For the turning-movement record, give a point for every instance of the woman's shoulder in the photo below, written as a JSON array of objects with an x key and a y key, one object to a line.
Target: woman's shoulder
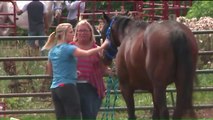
[{"x": 67, "y": 46}]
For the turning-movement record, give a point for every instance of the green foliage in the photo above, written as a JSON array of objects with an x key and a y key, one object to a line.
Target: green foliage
[
  {"x": 201, "y": 9},
  {"x": 21, "y": 32},
  {"x": 204, "y": 80}
]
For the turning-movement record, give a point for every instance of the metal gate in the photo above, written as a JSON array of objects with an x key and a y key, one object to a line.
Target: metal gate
[
  {"x": 5, "y": 14},
  {"x": 42, "y": 94}
]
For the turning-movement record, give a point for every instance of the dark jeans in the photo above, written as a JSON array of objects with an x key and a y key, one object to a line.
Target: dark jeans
[
  {"x": 67, "y": 103},
  {"x": 90, "y": 101},
  {"x": 36, "y": 33},
  {"x": 41, "y": 42}
]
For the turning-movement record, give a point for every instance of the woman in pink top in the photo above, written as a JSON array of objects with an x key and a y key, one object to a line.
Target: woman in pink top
[{"x": 91, "y": 70}]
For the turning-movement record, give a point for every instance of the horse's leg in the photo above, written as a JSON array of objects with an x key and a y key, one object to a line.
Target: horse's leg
[
  {"x": 129, "y": 99},
  {"x": 160, "y": 107},
  {"x": 155, "y": 110},
  {"x": 158, "y": 69}
]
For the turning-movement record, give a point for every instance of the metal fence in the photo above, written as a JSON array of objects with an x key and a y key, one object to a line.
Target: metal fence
[{"x": 171, "y": 91}]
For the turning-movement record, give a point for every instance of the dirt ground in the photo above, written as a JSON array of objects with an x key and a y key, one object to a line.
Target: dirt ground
[{"x": 205, "y": 113}]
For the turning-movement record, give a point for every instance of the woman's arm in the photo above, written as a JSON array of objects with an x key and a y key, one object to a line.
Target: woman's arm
[
  {"x": 49, "y": 70},
  {"x": 18, "y": 11},
  {"x": 81, "y": 53}
]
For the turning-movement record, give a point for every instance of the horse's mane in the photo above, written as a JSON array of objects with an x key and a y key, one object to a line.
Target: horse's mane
[
  {"x": 127, "y": 25},
  {"x": 141, "y": 24},
  {"x": 124, "y": 20}
]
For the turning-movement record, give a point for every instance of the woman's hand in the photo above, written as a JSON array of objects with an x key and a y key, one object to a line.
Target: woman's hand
[{"x": 105, "y": 44}]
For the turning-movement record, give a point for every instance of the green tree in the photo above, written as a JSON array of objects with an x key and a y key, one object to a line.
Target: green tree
[{"x": 201, "y": 9}]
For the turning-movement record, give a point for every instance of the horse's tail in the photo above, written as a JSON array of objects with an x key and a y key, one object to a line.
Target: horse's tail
[{"x": 185, "y": 70}]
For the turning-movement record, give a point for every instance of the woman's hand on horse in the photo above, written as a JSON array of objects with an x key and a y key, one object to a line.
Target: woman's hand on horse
[{"x": 105, "y": 44}]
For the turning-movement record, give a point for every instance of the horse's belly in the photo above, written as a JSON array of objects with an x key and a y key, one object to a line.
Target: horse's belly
[
  {"x": 137, "y": 73},
  {"x": 133, "y": 72},
  {"x": 139, "y": 80},
  {"x": 130, "y": 63}
]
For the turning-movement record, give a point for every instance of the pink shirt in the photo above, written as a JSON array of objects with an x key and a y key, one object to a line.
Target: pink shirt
[{"x": 91, "y": 69}]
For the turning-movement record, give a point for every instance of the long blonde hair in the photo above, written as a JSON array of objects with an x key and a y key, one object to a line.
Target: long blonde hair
[
  {"x": 59, "y": 34},
  {"x": 84, "y": 21}
]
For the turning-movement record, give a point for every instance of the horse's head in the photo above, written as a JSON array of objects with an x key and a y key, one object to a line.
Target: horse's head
[{"x": 113, "y": 30}]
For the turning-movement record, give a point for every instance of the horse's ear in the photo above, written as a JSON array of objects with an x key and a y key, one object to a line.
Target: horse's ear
[{"x": 106, "y": 17}]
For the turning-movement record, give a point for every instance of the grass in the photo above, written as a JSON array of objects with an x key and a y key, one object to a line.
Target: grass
[
  {"x": 30, "y": 117},
  {"x": 19, "y": 48}
]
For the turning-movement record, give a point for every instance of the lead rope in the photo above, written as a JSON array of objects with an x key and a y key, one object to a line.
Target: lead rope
[
  {"x": 112, "y": 82},
  {"x": 112, "y": 86},
  {"x": 115, "y": 89}
]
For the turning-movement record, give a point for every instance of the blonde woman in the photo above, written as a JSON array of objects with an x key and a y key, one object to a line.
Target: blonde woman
[
  {"x": 91, "y": 70},
  {"x": 62, "y": 67}
]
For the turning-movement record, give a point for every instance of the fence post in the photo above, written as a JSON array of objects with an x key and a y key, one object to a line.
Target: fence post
[{"x": 165, "y": 10}]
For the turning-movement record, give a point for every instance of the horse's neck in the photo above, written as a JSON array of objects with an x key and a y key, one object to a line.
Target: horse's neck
[
  {"x": 131, "y": 28},
  {"x": 135, "y": 26},
  {"x": 127, "y": 30}
]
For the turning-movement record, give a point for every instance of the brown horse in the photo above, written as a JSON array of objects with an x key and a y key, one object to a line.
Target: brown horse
[{"x": 150, "y": 57}]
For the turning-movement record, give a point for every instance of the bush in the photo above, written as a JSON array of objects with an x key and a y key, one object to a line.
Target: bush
[{"x": 201, "y": 9}]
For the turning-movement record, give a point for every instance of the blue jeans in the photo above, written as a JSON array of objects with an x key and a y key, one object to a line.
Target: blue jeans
[{"x": 90, "y": 101}]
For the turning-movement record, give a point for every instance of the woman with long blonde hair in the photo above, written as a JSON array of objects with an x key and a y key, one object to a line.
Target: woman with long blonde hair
[{"x": 62, "y": 67}]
